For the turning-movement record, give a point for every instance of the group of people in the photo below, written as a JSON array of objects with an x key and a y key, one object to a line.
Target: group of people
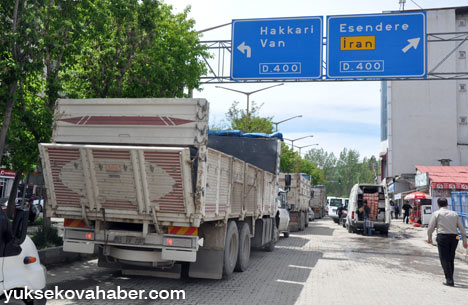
[{"x": 395, "y": 211}]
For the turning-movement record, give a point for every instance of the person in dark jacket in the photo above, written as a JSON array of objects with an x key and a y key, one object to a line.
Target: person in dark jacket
[
  {"x": 366, "y": 216},
  {"x": 339, "y": 212},
  {"x": 406, "y": 207}
]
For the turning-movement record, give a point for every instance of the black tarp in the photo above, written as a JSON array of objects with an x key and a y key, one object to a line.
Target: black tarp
[{"x": 260, "y": 152}]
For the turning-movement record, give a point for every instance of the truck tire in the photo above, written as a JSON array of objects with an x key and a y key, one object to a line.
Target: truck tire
[
  {"x": 243, "y": 257},
  {"x": 270, "y": 247},
  {"x": 231, "y": 248},
  {"x": 350, "y": 228},
  {"x": 303, "y": 221},
  {"x": 286, "y": 234}
]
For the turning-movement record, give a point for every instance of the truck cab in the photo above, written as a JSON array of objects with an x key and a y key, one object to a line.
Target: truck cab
[
  {"x": 19, "y": 260},
  {"x": 282, "y": 221}
]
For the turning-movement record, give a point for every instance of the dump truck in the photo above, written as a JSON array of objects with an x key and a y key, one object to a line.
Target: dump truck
[
  {"x": 298, "y": 199},
  {"x": 141, "y": 184},
  {"x": 318, "y": 200}
]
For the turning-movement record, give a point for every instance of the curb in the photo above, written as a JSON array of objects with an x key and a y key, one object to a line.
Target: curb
[{"x": 56, "y": 255}]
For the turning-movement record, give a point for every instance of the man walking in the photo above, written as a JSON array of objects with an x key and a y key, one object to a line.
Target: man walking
[
  {"x": 447, "y": 223},
  {"x": 366, "y": 216},
  {"x": 406, "y": 208}
]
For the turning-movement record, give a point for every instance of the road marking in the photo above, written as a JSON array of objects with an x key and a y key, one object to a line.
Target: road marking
[{"x": 290, "y": 282}]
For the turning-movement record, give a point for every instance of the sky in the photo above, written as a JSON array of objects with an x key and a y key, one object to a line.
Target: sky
[{"x": 338, "y": 114}]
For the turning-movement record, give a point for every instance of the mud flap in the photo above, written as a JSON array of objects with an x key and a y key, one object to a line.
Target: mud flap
[{"x": 209, "y": 264}]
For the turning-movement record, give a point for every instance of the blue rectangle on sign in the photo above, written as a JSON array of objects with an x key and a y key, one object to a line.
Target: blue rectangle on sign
[
  {"x": 392, "y": 45},
  {"x": 277, "y": 48}
]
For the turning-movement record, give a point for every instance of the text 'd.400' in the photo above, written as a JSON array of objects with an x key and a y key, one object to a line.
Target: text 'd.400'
[{"x": 280, "y": 68}]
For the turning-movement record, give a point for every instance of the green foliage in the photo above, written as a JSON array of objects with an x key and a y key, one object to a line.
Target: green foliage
[
  {"x": 137, "y": 49},
  {"x": 291, "y": 162},
  {"x": 347, "y": 168},
  {"x": 47, "y": 237},
  {"x": 248, "y": 122}
]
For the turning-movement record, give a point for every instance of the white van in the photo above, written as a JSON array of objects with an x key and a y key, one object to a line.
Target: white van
[
  {"x": 377, "y": 199},
  {"x": 19, "y": 260},
  {"x": 333, "y": 204}
]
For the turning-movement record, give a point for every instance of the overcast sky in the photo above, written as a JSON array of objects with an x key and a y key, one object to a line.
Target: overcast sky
[{"x": 338, "y": 114}]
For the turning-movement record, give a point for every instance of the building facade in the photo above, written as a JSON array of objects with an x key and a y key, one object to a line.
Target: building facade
[{"x": 423, "y": 122}]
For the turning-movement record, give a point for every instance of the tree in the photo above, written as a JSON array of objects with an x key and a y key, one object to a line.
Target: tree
[
  {"x": 248, "y": 122},
  {"x": 291, "y": 162},
  {"x": 136, "y": 48}
]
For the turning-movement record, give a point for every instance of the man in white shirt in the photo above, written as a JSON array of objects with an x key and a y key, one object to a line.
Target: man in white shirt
[{"x": 447, "y": 223}]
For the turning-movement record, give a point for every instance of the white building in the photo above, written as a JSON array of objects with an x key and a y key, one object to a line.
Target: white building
[{"x": 425, "y": 121}]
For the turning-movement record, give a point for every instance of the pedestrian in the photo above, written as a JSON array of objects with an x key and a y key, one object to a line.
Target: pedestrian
[
  {"x": 339, "y": 212},
  {"x": 366, "y": 216},
  {"x": 397, "y": 211},
  {"x": 392, "y": 209},
  {"x": 447, "y": 223},
  {"x": 406, "y": 207}
]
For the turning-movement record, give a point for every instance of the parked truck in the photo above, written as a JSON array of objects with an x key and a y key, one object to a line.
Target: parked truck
[
  {"x": 298, "y": 199},
  {"x": 318, "y": 200},
  {"x": 140, "y": 183}
]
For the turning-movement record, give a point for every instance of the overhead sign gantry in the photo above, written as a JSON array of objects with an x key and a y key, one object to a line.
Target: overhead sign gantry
[
  {"x": 277, "y": 48},
  {"x": 389, "y": 45},
  {"x": 377, "y": 46}
]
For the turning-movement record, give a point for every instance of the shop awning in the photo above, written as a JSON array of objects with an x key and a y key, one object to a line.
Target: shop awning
[{"x": 446, "y": 177}]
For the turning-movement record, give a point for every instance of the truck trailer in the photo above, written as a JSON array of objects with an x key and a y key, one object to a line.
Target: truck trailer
[
  {"x": 298, "y": 199},
  {"x": 318, "y": 200},
  {"x": 141, "y": 184}
]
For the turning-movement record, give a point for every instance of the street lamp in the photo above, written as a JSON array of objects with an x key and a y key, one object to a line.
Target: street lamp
[
  {"x": 249, "y": 93},
  {"x": 301, "y": 147},
  {"x": 294, "y": 140},
  {"x": 277, "y": 123}
]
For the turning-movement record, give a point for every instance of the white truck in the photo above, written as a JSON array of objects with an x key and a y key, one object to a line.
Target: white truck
[
  {"x": 318, "y": 200},
  {"x": 139, "y": 182},
  {"x": 298, "y": 199}
]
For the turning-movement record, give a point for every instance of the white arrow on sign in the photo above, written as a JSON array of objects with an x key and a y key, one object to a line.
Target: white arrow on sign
[
  {"x": 412, "y": 43},
  {"x": 243, "y": 47}
]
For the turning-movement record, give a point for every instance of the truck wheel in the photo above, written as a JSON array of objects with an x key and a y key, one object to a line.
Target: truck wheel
[
  {"x": 231, "y": 248},
  {"x": 301, "y": 222},
  {"x": 350, "y": 228},
  {"x": 243, "y": 257},
  {"x": 286, "y": 234},
  {"x": 269, "y": 247}
]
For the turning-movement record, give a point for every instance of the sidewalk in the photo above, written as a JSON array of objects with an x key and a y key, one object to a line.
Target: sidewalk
[{"x": 421, "y": 232}]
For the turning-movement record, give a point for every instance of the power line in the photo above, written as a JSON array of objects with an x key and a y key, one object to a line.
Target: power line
[{"x": 416, "y": 4}]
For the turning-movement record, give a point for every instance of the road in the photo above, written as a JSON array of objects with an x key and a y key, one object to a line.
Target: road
[{"x": 323, "y": 265}]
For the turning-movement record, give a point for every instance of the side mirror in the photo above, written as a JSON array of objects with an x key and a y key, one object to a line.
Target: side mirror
[
  {"x": 16, "y": 234},
  {"x": 287, "y": 181},
  {"x": 20, "y": 226}
]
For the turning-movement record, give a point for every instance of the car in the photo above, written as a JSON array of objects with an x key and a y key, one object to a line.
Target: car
[
  {"x": 34, "y": 209},
  {"x": 334, "y": 203},
  {"x": 19, "y": 257},
  {"x": 311, "y": 214},
  {"x": 39, "y": 204}
]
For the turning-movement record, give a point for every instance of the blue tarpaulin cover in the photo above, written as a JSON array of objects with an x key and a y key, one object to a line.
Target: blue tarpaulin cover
[{"x": 238, "y": 133}]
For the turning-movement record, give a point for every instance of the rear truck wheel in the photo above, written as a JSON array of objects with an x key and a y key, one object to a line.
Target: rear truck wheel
[
  {"x": 350, "y": 228},
  {"x": 243, "y": 257},
  {"x": 301, "y": 221},
  {"x": 270, "y": 247},
  {"x": 286, "y": 234},
  {"x": 231, "y": 248}
]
